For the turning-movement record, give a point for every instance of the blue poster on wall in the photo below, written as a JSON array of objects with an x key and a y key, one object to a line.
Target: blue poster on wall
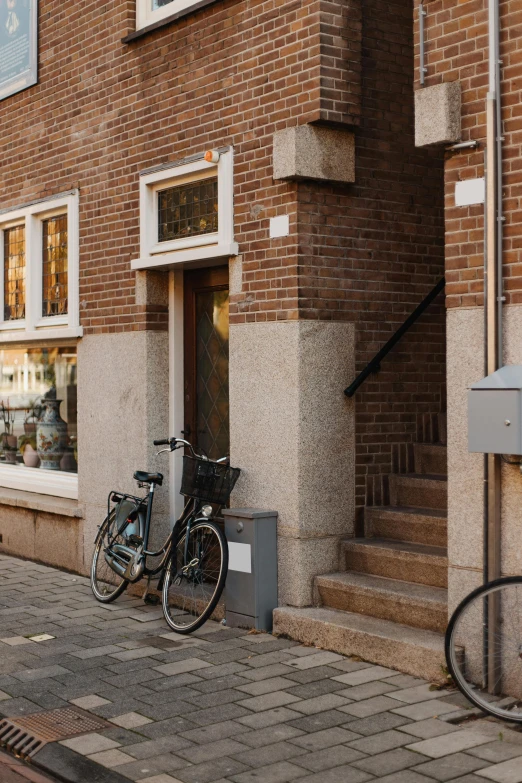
[{"x": 18, "y": 45}]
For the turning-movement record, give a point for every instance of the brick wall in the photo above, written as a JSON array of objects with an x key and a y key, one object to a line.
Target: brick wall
[
  {"x": 234, "y": 73},
  {"x": 372, "y": 251},
  {"x": 457, "y": 49}
]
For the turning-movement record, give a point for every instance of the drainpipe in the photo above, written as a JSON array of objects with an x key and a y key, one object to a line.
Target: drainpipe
[{"x": 493, "y": 327}]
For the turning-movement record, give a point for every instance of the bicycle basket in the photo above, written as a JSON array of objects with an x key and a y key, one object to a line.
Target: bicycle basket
[{"x": 207, "y": 480}]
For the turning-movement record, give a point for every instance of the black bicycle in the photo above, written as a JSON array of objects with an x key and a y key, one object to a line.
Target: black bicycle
[{"x": 193, "y": 560}]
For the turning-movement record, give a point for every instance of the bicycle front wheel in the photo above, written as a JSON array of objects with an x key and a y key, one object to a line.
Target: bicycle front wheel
[
  {"x": 195, "y": 577},
  {"x": 484, "y": 656}
]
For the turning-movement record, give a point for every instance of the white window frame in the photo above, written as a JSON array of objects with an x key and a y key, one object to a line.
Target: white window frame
[
  {"x": 203, "y": 247},
  {"x": 34, "y": 326},
  {"x": 147, "y": 15}
]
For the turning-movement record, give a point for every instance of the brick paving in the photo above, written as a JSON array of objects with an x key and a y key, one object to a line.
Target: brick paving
[{"x": 225, "y": 704}]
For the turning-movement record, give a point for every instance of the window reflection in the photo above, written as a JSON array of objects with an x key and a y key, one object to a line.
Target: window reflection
[{"x": 38, "y": 416}]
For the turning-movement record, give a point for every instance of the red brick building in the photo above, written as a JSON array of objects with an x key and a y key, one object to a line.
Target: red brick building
[{"x": 234, "y": 296}]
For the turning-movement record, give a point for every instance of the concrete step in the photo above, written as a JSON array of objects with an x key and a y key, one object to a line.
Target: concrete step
[
  {"x": 418, "y": 563},
  {"x": 410, "y": 650},
  {"x": 431, "y": 458},
  {"x": 411, "y": 489},
  {"x": 418, "y": 525},
  {"x": 407, "y": 603}
]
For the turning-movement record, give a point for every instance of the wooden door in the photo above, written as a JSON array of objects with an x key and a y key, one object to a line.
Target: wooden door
[{"x": 206, "y": 297}]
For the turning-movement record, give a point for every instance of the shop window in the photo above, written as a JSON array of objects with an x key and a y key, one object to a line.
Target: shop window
[{"x": 38, "y": 419}]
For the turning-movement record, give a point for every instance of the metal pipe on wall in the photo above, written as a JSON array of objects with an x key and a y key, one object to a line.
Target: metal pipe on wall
[{"x": 493, "y": 327}]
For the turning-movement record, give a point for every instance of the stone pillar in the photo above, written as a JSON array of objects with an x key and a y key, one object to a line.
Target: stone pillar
[
  {"x": 292, "y": 434},
  {"x": 465, "y": 365},
  {"x": 123, "y": 404}
]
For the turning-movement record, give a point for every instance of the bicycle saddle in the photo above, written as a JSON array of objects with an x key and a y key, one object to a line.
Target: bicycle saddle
[{"x": 149, "y": 478}]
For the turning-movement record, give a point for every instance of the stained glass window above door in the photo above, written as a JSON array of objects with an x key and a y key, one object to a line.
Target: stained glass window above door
[{"x": 188, "y": 210}]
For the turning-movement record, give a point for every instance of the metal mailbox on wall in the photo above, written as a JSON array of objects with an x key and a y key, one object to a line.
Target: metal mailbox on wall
[
  {"x": 495, "y": 412},
  {"x": 251, "y": 587}
]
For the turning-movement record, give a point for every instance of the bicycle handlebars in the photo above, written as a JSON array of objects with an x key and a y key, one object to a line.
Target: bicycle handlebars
[{"x": 176, "y": 443}]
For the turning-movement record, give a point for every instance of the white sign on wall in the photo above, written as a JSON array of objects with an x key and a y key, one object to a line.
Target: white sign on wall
[{"x": 470, "y": 191}]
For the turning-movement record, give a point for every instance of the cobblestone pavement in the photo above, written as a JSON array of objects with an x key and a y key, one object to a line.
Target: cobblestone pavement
[{"x": 224, "y": 704}]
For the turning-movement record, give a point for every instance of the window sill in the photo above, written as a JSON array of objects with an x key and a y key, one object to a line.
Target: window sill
[
  {"x": 50, "y": 333},
  {"x": 65, "y": 507},
  {"x": 45, "y": 482},
  {"x": 168, "y": 20},
  {"x": 186, "y": 258}
]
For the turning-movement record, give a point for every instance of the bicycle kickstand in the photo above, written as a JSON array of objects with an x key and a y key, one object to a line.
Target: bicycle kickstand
[{"x": 147, "y": 597}]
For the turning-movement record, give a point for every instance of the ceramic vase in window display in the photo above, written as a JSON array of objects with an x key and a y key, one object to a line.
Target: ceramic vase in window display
[{"x": 51, "y": 435}]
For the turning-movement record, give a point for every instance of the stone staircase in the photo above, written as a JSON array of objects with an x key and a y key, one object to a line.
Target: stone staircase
[{"x": 389, "y": 603}]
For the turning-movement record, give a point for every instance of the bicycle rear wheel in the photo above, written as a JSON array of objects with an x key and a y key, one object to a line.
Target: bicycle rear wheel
[
  {"x": 486, "y": 662},
  {"x": 193, "y": 583},
  {"x": 105, "y": 583}
]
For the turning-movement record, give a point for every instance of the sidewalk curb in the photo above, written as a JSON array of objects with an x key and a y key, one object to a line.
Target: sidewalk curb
[
  {"x": 70, "y": 767},
  {"x": 66, "y": 765}
]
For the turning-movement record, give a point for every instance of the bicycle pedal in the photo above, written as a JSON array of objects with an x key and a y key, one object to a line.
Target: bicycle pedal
[
  {"x": 152, "y": 600},
  {"x": 135, "y": 540}
]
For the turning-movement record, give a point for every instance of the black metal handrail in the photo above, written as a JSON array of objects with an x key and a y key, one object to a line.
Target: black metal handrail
[{"x": 375, "y": 364}]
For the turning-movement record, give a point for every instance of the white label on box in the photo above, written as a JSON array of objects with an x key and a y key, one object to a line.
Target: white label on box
[
  {"x": 279, "y": 226},
  {"x": 240, "y": 557},
  {"x": 470, "y": 191}
]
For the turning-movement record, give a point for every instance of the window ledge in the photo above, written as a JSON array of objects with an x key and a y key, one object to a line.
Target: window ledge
[
  {"x": 65, "y": 507},
  {"x": 188, "y": 258},
  {"x": 51, "y": 333},
  {"x": 166, "y": 21}
]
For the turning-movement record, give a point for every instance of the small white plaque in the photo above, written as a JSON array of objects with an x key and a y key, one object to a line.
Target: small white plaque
[
  {"x": 470, "y": 191},
  {"x": 240, "y": 557},
  {"x": 279, "y": 226}
]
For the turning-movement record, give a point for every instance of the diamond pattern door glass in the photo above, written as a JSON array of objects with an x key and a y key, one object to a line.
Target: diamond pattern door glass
[
  {"x": 14, "y": 273},
  {"x": 212, "y": 407}
]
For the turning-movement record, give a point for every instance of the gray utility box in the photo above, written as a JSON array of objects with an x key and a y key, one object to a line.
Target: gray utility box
[
  {"x": 495, "y": 413},
  {"x": 251, "y": 587}
]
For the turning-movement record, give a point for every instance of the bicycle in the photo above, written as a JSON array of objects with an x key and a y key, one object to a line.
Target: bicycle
[
  {"x": 194, "y": 558},
  {"x": 483, "y": 647}
]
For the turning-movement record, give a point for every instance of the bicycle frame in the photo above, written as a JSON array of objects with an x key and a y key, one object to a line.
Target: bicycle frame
[{"x": 181, "y": 525}]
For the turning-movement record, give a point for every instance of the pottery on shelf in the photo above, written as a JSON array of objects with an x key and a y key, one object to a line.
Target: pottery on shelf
[
  {"x": 51, "y": 435},
  {"x": 68, "y": 462},
  {"x": 12, "y": 441},
  {"x": 30, "y": 457},
  {"x": 10, "y": 457}
]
